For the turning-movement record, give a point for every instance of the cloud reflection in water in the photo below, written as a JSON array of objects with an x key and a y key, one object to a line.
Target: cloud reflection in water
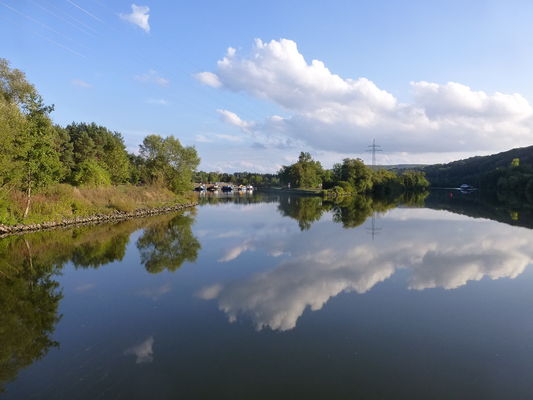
[
  {"x": 143, "y": 351},
  {"x": 438, "y": 252}
]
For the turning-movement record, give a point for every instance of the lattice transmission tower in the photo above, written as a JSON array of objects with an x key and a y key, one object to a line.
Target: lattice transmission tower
[{"x": 373, "y": 150}]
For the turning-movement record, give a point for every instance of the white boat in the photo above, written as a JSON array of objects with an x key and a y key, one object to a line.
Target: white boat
[{"x": 464, "y": 186}]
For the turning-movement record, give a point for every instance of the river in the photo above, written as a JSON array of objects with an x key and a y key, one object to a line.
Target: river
[{"x": 260, "y": 296}]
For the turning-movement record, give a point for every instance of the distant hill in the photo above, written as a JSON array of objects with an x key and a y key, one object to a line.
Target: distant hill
[
  {"x": 472, "y": 170},
  {"x": 401, "y": 166}
]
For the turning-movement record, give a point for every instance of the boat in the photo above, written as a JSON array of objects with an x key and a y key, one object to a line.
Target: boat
[
  {"x": 227, "y": 188},
  {"x": 464, "y": 186},
  {"x": 249, "y": 187}
]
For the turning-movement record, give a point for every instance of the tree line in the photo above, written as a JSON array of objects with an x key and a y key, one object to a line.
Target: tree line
[
  {"x": 239, "y": 178},
  {"x": 35, "y": 153},
  {"x": 350, "y": 176},
  {"x": 507, "y": 175}
]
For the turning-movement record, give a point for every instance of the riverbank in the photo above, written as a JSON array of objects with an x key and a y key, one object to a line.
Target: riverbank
[
  {"x": 6, "y": 230},
  {"x": 63, "y": 204}
]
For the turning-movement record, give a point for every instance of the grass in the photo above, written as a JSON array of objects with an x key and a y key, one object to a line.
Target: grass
[{"x": 62, "y": 201}]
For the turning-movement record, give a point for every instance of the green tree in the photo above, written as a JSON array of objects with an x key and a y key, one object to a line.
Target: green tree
[
  {"x": 96, "y": 143},
  {"x": 357, "y": 174},
  {"x": 305, "y": 173},
  {"x": 13, "y": 124},
  {"x": 213, "y": 177},
  {"x": 168, "y": 163},
  {"x": 14, "y": 87},
  {"x": 39, "y": 159},
  {"x": 34, "y": 160}
]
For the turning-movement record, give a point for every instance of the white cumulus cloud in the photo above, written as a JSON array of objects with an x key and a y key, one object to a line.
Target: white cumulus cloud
[
  {"x": 233, "y": 119},
  {"x": 344, "y": 115},
  {"x": 138, "y": 17},
  {"x": 208, "y": 78}
]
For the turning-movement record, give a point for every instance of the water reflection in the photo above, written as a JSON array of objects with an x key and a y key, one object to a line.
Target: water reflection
[
  {"x": 30, "y": 264},
  {"x": 143, "y": 351},
  {"x": 305, "y": 210},
  {"x": 29, "y": 299},
  {"x": 324, "y": 263},
  {"x": 167, "y": 244}
]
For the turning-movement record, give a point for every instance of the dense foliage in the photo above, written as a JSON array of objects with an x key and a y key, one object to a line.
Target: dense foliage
[
  {"x": 35, "y": 154},
  {"x": 351, "y": 176}
]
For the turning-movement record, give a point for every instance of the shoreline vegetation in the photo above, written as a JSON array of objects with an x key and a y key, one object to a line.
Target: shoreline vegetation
[
  {"x": 50, "y": 173},
  {"x": 64, "y": 205}
]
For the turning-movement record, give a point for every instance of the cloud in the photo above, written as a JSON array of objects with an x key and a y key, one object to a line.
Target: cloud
[
  {"x": 143, "y": 351},
  {"x": 344, "y": 115},
  {"x": 80, "y": 83},
  {"x": 258, "y": 146},
  {"x": 202, "y": 139},
  {"x": 230, "y": 138},
  {"x": 152, "y": 76},
  {"x": 208, "y": 78},
  {"x": 233, "y": 119},
  {"x": 138, "y": 17}
]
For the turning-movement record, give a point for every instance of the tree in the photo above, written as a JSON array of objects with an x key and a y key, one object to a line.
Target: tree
[
  {"x": 357, "y": 174},
  {"x": 213, "y": 177},
  {"x": 94, "y": 143},
  {"x": 29, "y": 144},
  {"x": 168, "y": 163},
  {"x": 306, "y": 172},
  {"x": 41, "y": 165},
  {"x": 14, "y": 87},
  {"x": 12, "y": 125}
]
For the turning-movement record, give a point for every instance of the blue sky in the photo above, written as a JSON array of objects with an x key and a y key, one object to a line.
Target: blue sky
[{"x": 252, "y": 84}]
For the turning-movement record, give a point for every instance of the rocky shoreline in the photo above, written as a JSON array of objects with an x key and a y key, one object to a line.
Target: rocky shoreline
[{"x": 6, "y": 230}]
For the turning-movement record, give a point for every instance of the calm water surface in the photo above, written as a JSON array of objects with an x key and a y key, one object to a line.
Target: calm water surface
[{"x": 262, "y": 297}]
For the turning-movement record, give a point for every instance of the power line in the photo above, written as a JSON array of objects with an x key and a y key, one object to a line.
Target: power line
[
  {"x": 288, "y": 121},
  {"x": 267, "y": 123}
]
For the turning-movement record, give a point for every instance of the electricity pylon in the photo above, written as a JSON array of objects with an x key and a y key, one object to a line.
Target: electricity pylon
[{"x": 373, "y": 150}]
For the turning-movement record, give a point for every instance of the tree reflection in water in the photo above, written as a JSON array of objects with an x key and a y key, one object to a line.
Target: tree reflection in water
[
  {"x": 168, "y": 244},
  {"x": 305, "y": 210},
  {"x": 350, "y": 211},
  {"x": 29, "y": 295},
  {"x": 29, "y": 300}
]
